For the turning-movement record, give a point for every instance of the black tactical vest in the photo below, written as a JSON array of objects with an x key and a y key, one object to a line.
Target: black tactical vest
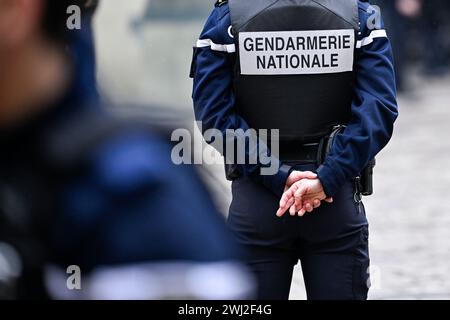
[{"x": 295, "y": 64}]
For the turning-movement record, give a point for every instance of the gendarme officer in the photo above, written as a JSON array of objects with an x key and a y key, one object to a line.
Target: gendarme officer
[{"x": 320, "y": 71}]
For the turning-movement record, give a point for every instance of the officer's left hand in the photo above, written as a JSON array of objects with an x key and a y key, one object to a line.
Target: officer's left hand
[
  {"x": 296, "y": 176},
  {"x": 303, "y": 196}
]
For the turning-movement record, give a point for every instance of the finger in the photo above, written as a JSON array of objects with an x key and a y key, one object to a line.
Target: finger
[
  {"x": 287, "y": 200},
  {"x": 329, "y": 200},
  {"x": 282, "y": 210},
  {"x": 298, "y": 203},
  {"x": 299, "y": 206},
  {"x": 301, "y": 191},
  {"x": 286, "y": 197},
  {"x": 299, "y": 194},
  {"x": 302, "y": 212},
  {"x": 317, "y": 204},
  {"x": 292, "y": 210},
  {"x": 280, "y": 213},
  {"x": 309, "y": 207}
]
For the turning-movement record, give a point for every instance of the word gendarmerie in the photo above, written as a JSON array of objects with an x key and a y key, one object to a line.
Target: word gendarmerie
[{"x": 296, "y": 52}]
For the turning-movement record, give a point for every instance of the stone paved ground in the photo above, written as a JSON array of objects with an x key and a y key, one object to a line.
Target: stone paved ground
[{"x": 410, "y": 212}]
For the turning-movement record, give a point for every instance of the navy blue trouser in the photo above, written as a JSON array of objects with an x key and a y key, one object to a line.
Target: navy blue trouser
[{"x": 331, "y": 243}]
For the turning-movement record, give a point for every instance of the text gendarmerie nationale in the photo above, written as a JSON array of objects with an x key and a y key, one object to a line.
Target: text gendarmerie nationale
[
  {"x": 298, "y": 44},
  {"x": 297, "y": 52}
]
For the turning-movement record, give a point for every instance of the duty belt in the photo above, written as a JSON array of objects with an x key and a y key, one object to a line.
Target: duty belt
[
  {"x": 291, "y": 151},
  {"x": 297, "y": 150}
]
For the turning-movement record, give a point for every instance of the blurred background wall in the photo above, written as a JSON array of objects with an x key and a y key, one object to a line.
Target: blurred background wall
[{"x": 144, "y": 54}]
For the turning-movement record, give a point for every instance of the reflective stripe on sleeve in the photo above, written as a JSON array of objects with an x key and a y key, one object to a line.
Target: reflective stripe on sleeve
[
  {"x": 230, "y": 48},
  {"x": 368, "y": 40}
]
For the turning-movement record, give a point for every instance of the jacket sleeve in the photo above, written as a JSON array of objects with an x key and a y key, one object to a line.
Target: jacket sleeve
[
  {"x": 374, "y": 109},
  {"x": 214, "y": 101}
]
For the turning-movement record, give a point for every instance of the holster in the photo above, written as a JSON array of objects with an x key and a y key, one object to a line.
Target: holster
[{"x": 364, "y": 181}]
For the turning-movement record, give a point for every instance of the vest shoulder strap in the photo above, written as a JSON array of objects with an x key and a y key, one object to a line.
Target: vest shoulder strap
[
  {"x": 346, "y": 9},
  {"x": 242, "y": 11}
]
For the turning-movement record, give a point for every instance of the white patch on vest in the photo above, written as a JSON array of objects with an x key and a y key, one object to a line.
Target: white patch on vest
[{"x": 296, "y": 52}]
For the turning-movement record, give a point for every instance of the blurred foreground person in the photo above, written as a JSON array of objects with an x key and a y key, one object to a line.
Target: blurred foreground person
[{"x": 91, "y": 204}]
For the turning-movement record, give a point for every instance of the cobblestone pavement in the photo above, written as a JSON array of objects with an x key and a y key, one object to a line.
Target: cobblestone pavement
[{"x": 410, "y": 211}]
